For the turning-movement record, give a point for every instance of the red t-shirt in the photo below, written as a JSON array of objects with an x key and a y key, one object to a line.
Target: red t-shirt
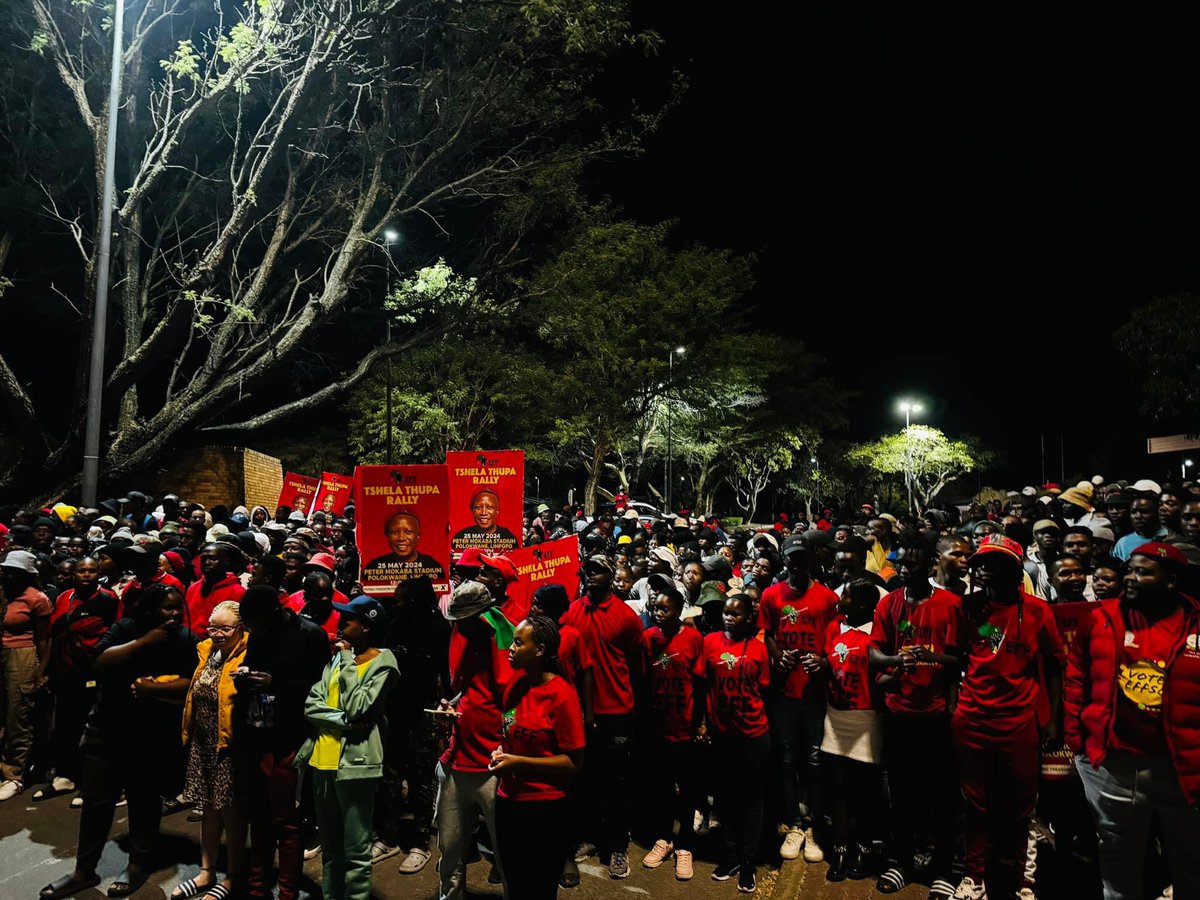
[
  {"x": 936, "y": 624},
  {"x": 798, "y": 621},
  {"x": 850, "y": 686},
  {"x": 295, "y": 602},
  {"x": 482, "y": 672},
  {"x": 670, "y": 664},
  {"x": 201, "y": 603},
  {"x": 573, "y": 656},
  {"x": 540, "y": 721},
  {"x": 1001, "y": 686},
  {"x": 1137, "y": 722},
  {"x": 612, "y": 634},
  {"x": 737, "y": 673}
]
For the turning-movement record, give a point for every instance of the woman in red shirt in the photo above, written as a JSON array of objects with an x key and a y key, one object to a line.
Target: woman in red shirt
[
  {"x": 541, "y": 750},
  {"x": 736, "y": 669}
]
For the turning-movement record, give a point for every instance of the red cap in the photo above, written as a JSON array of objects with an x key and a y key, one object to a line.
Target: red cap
[
  {"x": 175, "y": 559},
  {"x": 323, "y": 561},
  {"x": 996, "y": 543},
  {"x": 1165, "y": 553},
  {"x": 472, "y": 556},
  {"x": 503, "y": 564}
]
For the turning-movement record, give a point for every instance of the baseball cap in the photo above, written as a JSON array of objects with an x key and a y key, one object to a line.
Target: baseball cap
[{"x": 362, "y": 607}]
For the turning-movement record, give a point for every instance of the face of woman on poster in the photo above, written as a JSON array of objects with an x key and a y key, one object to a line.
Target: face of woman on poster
[{"x": 484, "y": 509}]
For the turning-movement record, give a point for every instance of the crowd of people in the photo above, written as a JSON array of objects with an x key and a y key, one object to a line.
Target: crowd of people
[{"x": 961, "y": 700}]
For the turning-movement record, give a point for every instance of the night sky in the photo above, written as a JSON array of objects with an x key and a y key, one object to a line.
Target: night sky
[{"x": 961, "y": 210}]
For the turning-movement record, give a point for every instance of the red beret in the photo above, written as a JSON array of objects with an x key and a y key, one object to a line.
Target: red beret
[
  {"x": 472, "y": 556},
  {"x": 1165, "y": 553},
  {"x": 501, "y": 563}
]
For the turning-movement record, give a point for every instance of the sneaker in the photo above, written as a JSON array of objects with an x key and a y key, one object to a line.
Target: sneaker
[
  {"x": 812, "y": 850},
  {"x": 837, "y": 864},
  {"x": 660, "y": 851},
  {"x": 793, "y": 843},
  {"x": 1026, "y": 893},
  {"x": 172, "y": 805},
  {"x": 10, "y": 789},
  {"x": 121, "y": 801},
  {"x": 415, "y": 861},
  {"x": 969, "y": 890},
  {"x": 895, "y": 879},
  {"x": 381, "y": 850},
  {"x": 747, "y": 880},
  {"x": 312, "y": 849},
  {"x": 683, "y": 865},
  {"x": 76, "y": 803},
  {"x": 940, "y": 889},
  {"x": 725, "y": 871},
  {"x": 583, "y": 851},
  {"x": 618, "y": 866}
]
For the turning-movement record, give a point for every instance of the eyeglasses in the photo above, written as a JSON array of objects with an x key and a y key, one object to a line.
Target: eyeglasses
[{"x": 221, "y": 629}]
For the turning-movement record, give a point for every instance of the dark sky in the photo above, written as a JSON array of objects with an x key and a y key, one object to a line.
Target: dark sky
[{"x": 958, "y": 209}]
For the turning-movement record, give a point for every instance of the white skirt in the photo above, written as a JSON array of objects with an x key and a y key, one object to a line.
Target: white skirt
[{"x": 854, "y": 733}]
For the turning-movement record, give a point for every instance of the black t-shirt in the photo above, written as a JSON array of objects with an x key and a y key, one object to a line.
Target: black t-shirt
[{"x": 294, "y": 655}]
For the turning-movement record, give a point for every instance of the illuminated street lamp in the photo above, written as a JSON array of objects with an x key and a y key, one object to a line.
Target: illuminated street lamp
[
  {"x": 670, "y": 433},
  {"x": 909, "y": 409}
]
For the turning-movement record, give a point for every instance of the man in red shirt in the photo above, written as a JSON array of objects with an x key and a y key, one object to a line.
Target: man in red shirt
[
  {"x": 320, "y": 562},
  {"x": 795, "y": 614},
  {"x": 915, "y": 638},
  {"x": 216, "y": 585},
  {"x": 1132, "y": 714},
  {"x": 1011, "y": 639},
  {"x": 612, "y": 633}
]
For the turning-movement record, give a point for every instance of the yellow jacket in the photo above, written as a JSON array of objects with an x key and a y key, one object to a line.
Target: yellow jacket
[{"x": 226, "y": 690}]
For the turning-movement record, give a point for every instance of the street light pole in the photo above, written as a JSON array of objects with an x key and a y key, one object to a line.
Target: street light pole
[
  {"x": 908, "y": 408},
  {"x": 817, "y": 467},
  {"x": 389, "y": 237},
  {"x": 91, "y": 434},
  {"x": 670, "y": 426}
]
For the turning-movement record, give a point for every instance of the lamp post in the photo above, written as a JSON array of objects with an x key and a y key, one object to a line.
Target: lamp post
[
  {"x": 390, "y": 236},
  {"x": 816, "y": 463},
  {"x": 909, "y": 409},
  {"x": 1187, "y": 464},
  {"x": 91, "y": 434},
  {"x": 670, "y": 425}
]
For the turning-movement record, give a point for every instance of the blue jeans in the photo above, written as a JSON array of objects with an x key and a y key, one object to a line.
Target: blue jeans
[
  {"x": 1124, "y": 795},
  {"x": 799, "y": 728}
]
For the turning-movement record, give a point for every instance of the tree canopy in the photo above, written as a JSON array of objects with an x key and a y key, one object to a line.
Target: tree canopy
[{"x": 924, "y": 456}]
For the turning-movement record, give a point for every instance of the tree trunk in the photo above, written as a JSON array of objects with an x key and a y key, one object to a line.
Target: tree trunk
[{"x": 599, "y": 451}]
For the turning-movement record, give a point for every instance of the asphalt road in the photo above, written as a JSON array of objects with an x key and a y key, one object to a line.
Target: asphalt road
[{"x": 38, "y": 840}]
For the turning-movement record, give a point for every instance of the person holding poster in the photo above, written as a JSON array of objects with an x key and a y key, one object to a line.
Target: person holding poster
[{"x": 487, "y": 489}]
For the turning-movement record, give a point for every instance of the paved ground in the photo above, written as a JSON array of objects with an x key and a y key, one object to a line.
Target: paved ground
[{"x": 37, "y": 844}]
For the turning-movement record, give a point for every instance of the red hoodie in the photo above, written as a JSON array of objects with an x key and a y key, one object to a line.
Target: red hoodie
[
  {"x": 201, "y": 602},
  {"x": 1091, "y": 685}
]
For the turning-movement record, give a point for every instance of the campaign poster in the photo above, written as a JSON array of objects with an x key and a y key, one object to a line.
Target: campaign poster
[
  {"x": 333, "y": 493},
  {"x": 487, "y": 496},
  {"x": 297, "y": 492},
  {"x": 402, "y": 526},
  {"x": 1069, "y": 617},
  {"x": 554, "y": 562}
]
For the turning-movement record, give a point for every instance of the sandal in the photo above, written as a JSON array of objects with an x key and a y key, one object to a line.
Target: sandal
[
  {"x": 67, "y": 886},
  {"x": 127, "y": 883},
  {"x": 190, "y": 888},
  {"x": 570, "y": 875},
  {"x": 219, "y": 891}
]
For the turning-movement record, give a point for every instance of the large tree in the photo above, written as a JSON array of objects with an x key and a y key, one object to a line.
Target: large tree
[
  {"x": 264, "y": 149},
  {"x": 925, "y": 457},
  {"x": 1161, "y": 340}
]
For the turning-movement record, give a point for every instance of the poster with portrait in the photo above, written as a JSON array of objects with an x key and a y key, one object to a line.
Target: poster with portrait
[
  {"x": 554, "y": 562},
  {"x": 402, "y": 526},
  {"x": 297, "y": 492},
  {"x": 487, "y": 495},
  {"x": 333, "y": 493}
]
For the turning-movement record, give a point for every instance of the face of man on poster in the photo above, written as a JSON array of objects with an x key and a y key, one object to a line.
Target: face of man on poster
[
  {"x": 485, "y": 507},
  {"x": 403, "y": 532}
]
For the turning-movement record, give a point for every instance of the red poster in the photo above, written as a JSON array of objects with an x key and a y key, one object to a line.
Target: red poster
[
  {"x": 297, "y": 493},
  {"x": 1069, "y": 616},
  {"x": 333, "y": 493},
  {"x": 487, "y": 493},
  {"x": 554, "y": 562},
  {"x": 402, "y": 530}
]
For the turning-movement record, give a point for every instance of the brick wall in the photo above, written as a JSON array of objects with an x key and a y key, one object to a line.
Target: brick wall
[{"x": 233, "y": 476}]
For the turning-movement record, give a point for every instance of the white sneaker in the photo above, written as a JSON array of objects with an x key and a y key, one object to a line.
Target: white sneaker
[
  {"x": 812, "y": 850},
  {"x": 969, "y": 890},
  {"x": 793, "y": 843},
  {"x": 10, "y": 789},
  {"x": 76, "y": 803},
  {"x": 415, "y": 861}
]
